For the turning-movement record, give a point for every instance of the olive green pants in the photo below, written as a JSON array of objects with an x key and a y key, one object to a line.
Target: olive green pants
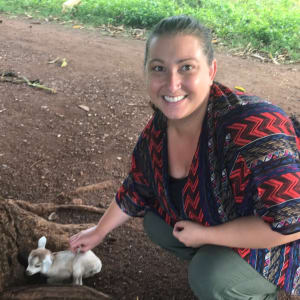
[{"x": 214, "y": 272}]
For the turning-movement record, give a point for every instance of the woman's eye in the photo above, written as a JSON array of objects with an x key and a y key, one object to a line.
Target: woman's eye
[
  {"x": 158, "y": 68},
  {"x": 187, "y": 68}
]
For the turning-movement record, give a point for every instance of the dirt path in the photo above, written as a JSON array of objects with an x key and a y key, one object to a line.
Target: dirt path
[{"x": 50, "y": 146}]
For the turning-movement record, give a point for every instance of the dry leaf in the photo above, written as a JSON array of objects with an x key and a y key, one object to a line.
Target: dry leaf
[
  {"x": 84, "y": 107},
  {"x": 53, "y": 216},
  {"x": 77, "y": 201},
  {"x": 53, "y": 61},
  {"x": 239, "y": 88},
  {"x": 64, "y": 63},
  {"x": 77, "y": 27}
]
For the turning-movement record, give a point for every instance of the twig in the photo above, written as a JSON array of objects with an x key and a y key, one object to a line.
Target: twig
[
  {"x": 138, "y": 105},
  {"x": 39, "y": 86},
  {"x": 13, "y": 78},
  {"x": 36, "y": 163},
  {"x": 97, "y": 186},
  {"x": 255, "y": 55}
]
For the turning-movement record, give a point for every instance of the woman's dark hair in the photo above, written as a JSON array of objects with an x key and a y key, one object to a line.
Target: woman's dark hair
[{"x": 182, "y": 25}]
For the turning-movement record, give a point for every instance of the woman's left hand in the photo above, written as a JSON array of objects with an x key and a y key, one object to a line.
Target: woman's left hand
[
  {"x": 191, "y": 234},
  {"x": 244, "y": 232}
]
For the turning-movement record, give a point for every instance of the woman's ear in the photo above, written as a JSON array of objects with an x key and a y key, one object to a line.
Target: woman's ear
[{"x": 213, "y": 70}]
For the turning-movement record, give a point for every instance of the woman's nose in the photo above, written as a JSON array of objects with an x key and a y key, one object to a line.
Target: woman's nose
[{"x": 173, "y": 81}]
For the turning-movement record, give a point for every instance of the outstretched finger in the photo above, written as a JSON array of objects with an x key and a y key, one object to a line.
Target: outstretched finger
[
  {"x": 75, "y": 243},
  {"x": 74, "y": 237}
]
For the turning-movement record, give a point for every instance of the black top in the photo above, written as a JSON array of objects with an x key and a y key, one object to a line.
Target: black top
[{"x": 175, "y": 188}]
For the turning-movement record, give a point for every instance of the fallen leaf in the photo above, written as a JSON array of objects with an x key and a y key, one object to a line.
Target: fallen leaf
[
  {"x": 138, "y": 32},
  {"x": 77, "y": 27},
  {"x": 77, "y": 201},
  {"x": 239, "y": 88},
  {"x": 53, "y": 216},
  {"x": 53, "y": 61},
  {"x": 84, "y": 107},
  {"x": 64, "y": 63}
]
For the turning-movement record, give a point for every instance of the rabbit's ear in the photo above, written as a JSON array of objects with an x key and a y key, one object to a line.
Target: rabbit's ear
[
  {"x": 42, "y": 242},
  {"x": 46, "y": 264}
]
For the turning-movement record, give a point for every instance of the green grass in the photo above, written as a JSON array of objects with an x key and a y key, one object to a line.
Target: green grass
[{"x": 271, "y": 26}]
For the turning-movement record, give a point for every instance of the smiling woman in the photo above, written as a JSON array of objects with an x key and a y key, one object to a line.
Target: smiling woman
[{"x": 215, "y": 174}]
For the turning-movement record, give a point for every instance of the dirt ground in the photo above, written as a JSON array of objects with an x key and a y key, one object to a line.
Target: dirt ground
[{"x": 49, "y": 146}]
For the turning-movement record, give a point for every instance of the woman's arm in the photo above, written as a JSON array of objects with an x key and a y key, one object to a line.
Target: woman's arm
[
  {"x": 245, "y": 232},
  {"x": 91, "y": 237}
]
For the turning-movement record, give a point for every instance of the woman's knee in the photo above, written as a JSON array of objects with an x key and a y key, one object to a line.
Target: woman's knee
[
  {"x": 201, "y": 276},
  {"x": 219, "y": 273}
]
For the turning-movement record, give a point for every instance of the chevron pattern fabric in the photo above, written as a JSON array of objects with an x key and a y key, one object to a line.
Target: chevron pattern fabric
[{"x": 248, "y": 164}]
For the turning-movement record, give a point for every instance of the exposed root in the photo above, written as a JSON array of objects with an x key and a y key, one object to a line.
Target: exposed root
[{"x": 66, "y": 292}]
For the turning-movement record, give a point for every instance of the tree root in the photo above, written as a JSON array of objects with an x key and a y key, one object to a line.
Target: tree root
[
  {"x": 21, "y": 225},
  {"x": 66, "y": 292},
  {"x": 43, "y": 209}
]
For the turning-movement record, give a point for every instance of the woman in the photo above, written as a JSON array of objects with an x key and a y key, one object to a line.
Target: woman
[{"x": 215, "y": 174}]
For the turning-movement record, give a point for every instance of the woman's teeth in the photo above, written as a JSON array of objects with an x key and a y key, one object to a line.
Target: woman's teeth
[{"x": 173, "y": 99}]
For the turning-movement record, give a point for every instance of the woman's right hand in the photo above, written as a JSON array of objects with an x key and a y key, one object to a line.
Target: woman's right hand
[
  {"x": 91, "y": 237},
  {"x": 85, "y": 240}
]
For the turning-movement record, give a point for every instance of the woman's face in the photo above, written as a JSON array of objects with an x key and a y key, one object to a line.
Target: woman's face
[{"x": 178, "y": 76}]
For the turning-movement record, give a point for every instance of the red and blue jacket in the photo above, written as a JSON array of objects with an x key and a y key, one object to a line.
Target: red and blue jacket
[{"x": 248, "y": 164}]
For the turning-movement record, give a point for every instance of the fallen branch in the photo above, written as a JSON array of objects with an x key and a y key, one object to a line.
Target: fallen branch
[
  {"x": 97, "y": 186},
  {"x": 14, "y": 78},
  {"x": 255, "y": 55},
  {"x": 39, "y": 86}
]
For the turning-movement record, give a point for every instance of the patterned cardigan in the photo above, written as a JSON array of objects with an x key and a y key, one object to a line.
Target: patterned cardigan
[{"x": 248, "y": 164}]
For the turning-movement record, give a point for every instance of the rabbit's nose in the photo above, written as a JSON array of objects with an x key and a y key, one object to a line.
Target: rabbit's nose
[{"x": 28, "y": 272}]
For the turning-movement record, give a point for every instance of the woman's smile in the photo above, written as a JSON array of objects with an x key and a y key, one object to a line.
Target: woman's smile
[{"x": 174, "y": 99}]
